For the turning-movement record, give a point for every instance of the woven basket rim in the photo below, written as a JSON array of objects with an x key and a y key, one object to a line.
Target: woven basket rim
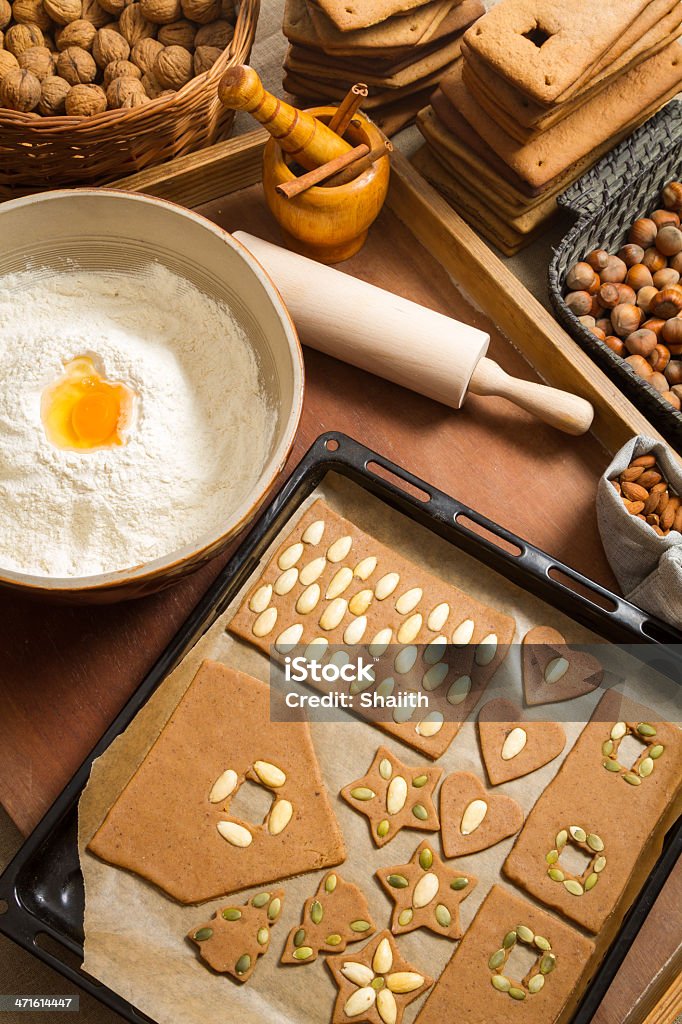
[{"x": 235, "y": 53}]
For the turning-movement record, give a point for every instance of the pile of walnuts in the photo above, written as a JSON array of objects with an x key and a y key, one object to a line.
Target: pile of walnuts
[{"x": 81, "y": 57}]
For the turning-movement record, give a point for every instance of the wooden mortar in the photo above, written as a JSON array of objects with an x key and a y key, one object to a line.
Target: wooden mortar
[{"x": 328, "y": 224}]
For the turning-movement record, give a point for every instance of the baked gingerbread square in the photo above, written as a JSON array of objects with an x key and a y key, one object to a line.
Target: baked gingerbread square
[{"x": 172, "y": 823}]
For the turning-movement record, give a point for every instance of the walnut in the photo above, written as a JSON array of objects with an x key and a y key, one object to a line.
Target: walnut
[
  {"x": 95, "y": 13},
  {"x": 219, "y": 33},
  {"x": 31, "y": 12},
  {"x": 125, "y": 93},
  {"x": 228, "y": 11},
  {"x": 109, "y": 46},
  {"x": 161, "y": 12},
  {"x": 53, "y": 93},
  {"x": 133, "y": 25},
  {"x": 205, "y": 57},
  {"x": 202, "y": 11},
  {"x": 20, "y": 90},
  {"x": 64, "y": 11},
  {"x": 120, "y": 69},
  {"x": 8, "y": 62},
  {"x": 173, "y": 67},
  {"x": 85, "y": 100},
  {"x": 5, "y": 13},
  {"x": 39, "y": 60},
  {"x": 178, "y": 33},
  {"x": 79, "y": 33},
  {"x": 114, "y": 7},
  {"x": 76, "y": 66},
  {"x": 144, "y": 54},
  {"x": 23, "y": 37}
]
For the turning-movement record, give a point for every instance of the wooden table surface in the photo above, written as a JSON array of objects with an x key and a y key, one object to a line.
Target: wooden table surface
[{"x": 66, "y": 671}]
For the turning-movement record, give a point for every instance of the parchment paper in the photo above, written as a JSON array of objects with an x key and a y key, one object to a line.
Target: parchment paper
[{"x": 135, "y": 935}]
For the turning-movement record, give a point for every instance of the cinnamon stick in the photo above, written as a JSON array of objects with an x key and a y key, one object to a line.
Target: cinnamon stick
[
  {"x": 348, "y": 108},
  {"x": 291, "y": 189},
  {"x": 360, "y": 165}
]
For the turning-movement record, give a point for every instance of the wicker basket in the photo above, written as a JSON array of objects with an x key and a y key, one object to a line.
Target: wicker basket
[
  {"x": 38, "y": 153},
  {"x": 606, "y": 200}
]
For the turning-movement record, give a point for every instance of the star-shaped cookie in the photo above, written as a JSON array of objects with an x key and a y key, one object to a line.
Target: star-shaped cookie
[
  {"x": 394, "y": 796},
  {"x": 427, "y": 893},
  {"x": 375, "y": 984}
]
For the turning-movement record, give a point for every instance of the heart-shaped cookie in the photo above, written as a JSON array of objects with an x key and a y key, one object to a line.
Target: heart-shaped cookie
[
  {"x": 553, "y": 672},
  {"x": 512, "y": 748},
  {"x": 472, "y": 818}
]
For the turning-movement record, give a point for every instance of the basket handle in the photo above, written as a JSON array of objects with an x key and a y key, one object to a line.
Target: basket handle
[
  {"x": 244, "y": 31},
  {"x": 613, "y": 174}
]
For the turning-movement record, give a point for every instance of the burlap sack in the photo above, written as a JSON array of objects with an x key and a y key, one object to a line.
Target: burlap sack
[{"x": 647, "y": 567}]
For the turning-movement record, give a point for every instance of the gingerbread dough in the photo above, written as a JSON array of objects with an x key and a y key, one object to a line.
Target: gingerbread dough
[
  {"x": 233, "y": 940},
  {"x": 336, "y": 915},
  {"x": 473, "y": 819},
  {"x": 512, "y": 748}
]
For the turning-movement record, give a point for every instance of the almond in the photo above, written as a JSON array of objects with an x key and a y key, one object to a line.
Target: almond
[
  {"x": 633, "y": 507},
  {"x": 632, "y": 473},
  {"x": 668, "y": 517},
  {"x": 648, "y": 478},
  {"x": 634, "y": 492},
  {"x": 644, "y": 460}
]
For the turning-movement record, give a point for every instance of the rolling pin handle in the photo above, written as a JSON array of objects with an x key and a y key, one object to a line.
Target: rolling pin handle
[{"x": 560, "y": 409}]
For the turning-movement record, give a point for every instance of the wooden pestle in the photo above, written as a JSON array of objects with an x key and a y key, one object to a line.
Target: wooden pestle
[{"x": 310, "y": 142}]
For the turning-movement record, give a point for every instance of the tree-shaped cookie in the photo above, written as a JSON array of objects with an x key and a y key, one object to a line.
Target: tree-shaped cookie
[
  {"x": 336, "y": 915},
  {"x": 426, "y": 893},
  {"x": 394, "y": 796},
  {"x": 233, "y": 940},
  {"x": 376, "y": 985}
]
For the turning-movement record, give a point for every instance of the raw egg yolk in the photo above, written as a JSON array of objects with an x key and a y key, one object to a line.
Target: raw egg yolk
[{"x": 85, "y": 411}]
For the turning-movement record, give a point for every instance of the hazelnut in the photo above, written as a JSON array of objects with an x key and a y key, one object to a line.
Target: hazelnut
[
  {"x": 596, "y": 308},
  {"x": 654, "y": 260},
  {"x": 673, "y": 398},
  {"x": 671, "y": 196},
  {"x": 20, "y": 90},
  {"x": 654, "y": 325},
  {"x": 677, "y": 390},
  {"x": 666, "y": 278},
  {"x": 5, "y": 14},
  {"x": 8, "y": 62},
  {"x": 206, "y": 56},
  {"x": 95, "y": 13},
  {"x": 161, "y": 12},
  {"x": 673, "y": 372},
  {"x": 604, "y": 324},
  {"x": 39, "y": 60},
  {"x": 109, "y": 46},
  {"x": 203, "y": 11},
  {"x": 85, "y": 101},
  {"x": 580, "y": 277},
  {"x": 594, "y": 287},
  {"x": 669, "y": 240},
  {"x": 667, "y": 303},
  {"x": 588, "y": 322},
  {"x": 125, "y": 93},
  {"x": 23, "y": 37},
  {"x": 579, "y": 303},
  {"x": 31, "y": 12},
  {"x": 659, "y": 358},
  {"x": 625, "y": 319},
  {"x": 120, "y": 69},
  {"x": 640, "y": 366},
  {"x": 643, "y": 233},
  {"x": 178, "y": 33},
  {"x": 133, "y": 25},
  {"x": 144, "y": 54},
  {"x": 53, "y": 93},
  {"x": 173, "y": 68},
  {"x": 658, "y": 381},
  {"x": 614, "y": 271},
  {"x": 675, "y": 263},
  {"x": 63, "y": 11},
  {"x": 672, "y": 331},
  {"x": 641, "y": 343},
  {"x": 626, "y": 294},
  {"x": 79, "y": 33},
  {"x": 644, "y": 297},
  {"x": 639, "y": 276},
  {"x": 663, "y": 217},
  {"x": 76, "y": 66},
  {"x": 609, "y": 296},
  {"x": 220, "y": 33},
  {"x": 615, "y": 344},
  {"x": 631, "y": 254},
  {"x": 598, "y": 333}
]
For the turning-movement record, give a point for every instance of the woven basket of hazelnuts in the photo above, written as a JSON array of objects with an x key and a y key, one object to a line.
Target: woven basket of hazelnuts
[
  {"x": 92, "y": 90},
  {"x": 616, "y": 278}
]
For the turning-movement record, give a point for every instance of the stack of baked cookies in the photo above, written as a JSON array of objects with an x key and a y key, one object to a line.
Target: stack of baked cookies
[
  {"x": 544, "y": 89},
  {"x": 399, "y": 48}
]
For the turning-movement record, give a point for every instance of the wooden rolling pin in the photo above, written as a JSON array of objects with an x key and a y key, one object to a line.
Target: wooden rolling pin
[
  {"x": 403, "y": 341},
  {"x": 308, "y": 140}
]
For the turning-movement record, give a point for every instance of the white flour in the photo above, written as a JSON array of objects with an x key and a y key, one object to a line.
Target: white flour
[{"x": 198, "y": 443}]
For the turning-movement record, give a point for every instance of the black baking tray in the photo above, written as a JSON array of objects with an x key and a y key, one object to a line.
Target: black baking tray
[{"x": 41, "y": 890}]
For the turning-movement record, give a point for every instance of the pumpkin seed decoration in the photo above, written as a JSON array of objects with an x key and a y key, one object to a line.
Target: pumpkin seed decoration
[
  {"x": 316, "y": 911},
  {"x": 398, "y": 881},
  {"x": 261, "y": 899},
  {"x": 231, "y": 914},
  {"x": 591, "y": 844},
  {"x": 243, "y": 964},
  {"x": 330, "y": 883},
  {"x": 299, "y": 937},
  {"x": 263, "y": 936},
  {"x": 203, "y": 934},
  {"x": 645, "y": 763},
  {"x": 426, "y": 859},
  {"x": 535, "y": 979},
  {"x": 420, "y": 812}
]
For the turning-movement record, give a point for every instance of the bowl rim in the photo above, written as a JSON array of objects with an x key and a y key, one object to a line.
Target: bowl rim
[{"x": 146, "y": 572}]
